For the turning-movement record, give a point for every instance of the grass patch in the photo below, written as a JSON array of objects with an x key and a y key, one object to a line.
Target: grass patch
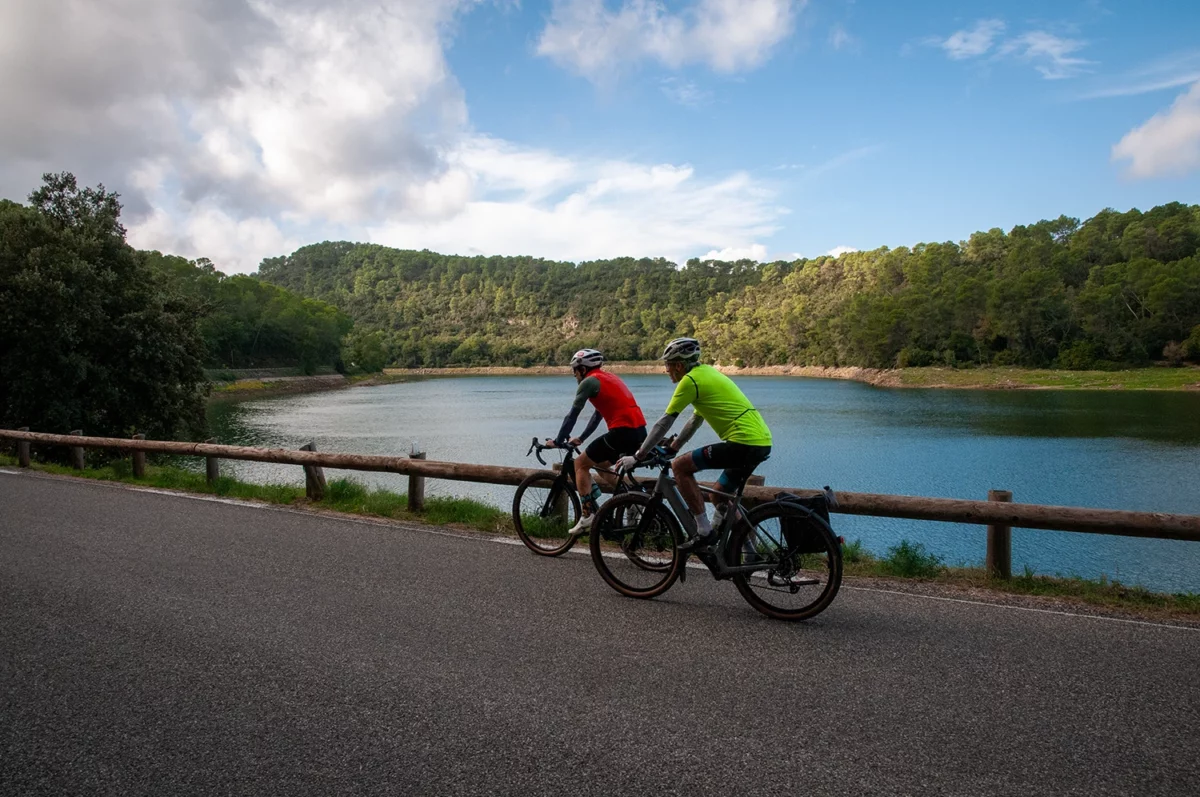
[
  {"x": 346, "y": 495},
  {"x": 171, "y": 478},
  {"x": 907, "y": 560},
  {"x": 466, "y": 512},
  {"x": 911, "y": 560},
  {"x": 1152, "y": 378},
  {"x": 342, "y": 495}
]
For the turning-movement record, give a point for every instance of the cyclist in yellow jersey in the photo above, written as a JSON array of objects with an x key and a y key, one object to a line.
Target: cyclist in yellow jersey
[{"x": 745, "y": 438}]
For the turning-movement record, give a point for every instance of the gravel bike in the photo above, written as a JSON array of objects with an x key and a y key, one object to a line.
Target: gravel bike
[
  {"x": 782, "y": 555},
  {"x": 546, "y": 505}
]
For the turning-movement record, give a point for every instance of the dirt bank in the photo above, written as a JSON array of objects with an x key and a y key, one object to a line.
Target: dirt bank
[{"x": 872, "y": 376}]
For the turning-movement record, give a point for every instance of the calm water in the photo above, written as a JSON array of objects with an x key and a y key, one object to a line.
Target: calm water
[{"x": 1138, "y": 451}]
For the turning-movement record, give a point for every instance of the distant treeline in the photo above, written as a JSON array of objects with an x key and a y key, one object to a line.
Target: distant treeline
[
  {"x": 1120, "y": 288},
  {"x": 245, "y": 323}
]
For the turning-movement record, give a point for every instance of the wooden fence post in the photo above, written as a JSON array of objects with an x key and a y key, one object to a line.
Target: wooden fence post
[
  {"x": 139, "y": 460},
  {"x": 23, "y": 449},
  {"x": 314, "y": 477},
  {"x": 77, "y": 452},
  {"x": 999, "y": 542},
  {"x": 212, "y": 466},
  {"x": 416, "y": 485}
]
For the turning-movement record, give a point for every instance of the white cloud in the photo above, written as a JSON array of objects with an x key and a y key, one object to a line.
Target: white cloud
[
  {"x": 727, "y": 35},
  {"x": 684, "y": 92},
  {"x": 242, "y": 129},
  {"x": 838, "y": 161},
  {"x": 1051, "y": 55},
  {"x": 838, "y": 251},
  {"x": 1178, "y": 69},
  {"x": 1168, "y": 144},
  {"x": 840, "y": 39},
  {"x": 731, "y": 254},
  {"x": 975, "y": 42},
  {"x": 582, "y": 210}
]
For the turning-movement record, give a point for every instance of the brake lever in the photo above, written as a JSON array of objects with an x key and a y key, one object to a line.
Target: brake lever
[{"x": 539, "y": 456}]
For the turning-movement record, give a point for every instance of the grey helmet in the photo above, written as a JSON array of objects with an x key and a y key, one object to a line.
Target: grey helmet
[
  {"x": 682, "y": 349},
  {"x": 587, "y": 359}
]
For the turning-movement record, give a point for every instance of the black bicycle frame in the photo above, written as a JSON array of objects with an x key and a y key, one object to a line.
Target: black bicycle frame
[{"x": 714, "y": 558}]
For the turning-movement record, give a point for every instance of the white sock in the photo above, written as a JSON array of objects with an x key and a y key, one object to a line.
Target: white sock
[{"x": 703, "y": 527}]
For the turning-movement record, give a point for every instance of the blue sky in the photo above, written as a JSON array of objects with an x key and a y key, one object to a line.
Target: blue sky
[{"x": 577, "y": 129}]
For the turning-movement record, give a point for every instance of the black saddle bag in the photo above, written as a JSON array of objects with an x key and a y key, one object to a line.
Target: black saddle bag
[{"x": 804, "y": 532}]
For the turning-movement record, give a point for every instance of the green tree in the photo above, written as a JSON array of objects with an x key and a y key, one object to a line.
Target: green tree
[{"x": 89, "y": 336}]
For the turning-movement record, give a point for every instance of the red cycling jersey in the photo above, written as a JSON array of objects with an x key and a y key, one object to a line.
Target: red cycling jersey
[{"x": 615, "y": 403}]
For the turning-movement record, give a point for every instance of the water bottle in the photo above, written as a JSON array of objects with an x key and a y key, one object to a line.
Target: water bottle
[{"x": 718, "y": 518}]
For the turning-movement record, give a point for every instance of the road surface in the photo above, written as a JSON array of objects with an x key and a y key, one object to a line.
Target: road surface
[{"x": 163, "y": 644}]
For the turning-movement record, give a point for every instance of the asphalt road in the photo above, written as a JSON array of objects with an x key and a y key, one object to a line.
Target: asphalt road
[{"x": 158, "y": 644}]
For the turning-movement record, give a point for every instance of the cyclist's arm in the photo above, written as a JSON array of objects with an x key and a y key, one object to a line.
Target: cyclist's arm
[
  {"x": 657, "y": 432},
  {"x": 685, "y": 394},
  {"x": 689, "y": 429},
  {"x": 587, "y": 388},
  {"x": 592, "y": 423}
]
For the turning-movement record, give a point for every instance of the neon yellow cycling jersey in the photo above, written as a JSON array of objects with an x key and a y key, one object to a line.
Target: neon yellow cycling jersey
[{"x": 719, "y": 401}]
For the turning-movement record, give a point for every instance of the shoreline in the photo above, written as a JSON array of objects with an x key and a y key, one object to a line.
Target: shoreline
[{"x": 1184, "y": 379}]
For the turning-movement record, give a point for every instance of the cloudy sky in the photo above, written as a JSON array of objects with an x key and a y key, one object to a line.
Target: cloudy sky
[{"x": 577, "y": 129}]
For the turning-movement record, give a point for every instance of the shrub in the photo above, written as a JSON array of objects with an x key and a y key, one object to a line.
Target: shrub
[
  {"x": 854, "y": 552},
  {"x": 911, "y": 357},
  {"x": 911, "y": 560},
  {"x": 1174, "y": 353},
  {"x": 1192, "y": 346},
  {"x": 1079, "y": 356}
]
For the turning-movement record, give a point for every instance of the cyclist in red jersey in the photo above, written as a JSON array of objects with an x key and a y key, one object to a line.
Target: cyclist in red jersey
[{"x": 614, "y": 405}]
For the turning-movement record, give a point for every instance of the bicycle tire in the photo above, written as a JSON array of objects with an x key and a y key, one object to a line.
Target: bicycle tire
[
  {"x": 622, "y": 564},
  {"x": 542, "y": 532},
  {"x": 798, "y": 586}
]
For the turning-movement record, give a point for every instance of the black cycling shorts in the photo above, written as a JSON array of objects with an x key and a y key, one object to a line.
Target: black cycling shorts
[
  {"x": 616, "y": 443},
  {"x": 738, "y": 461}
]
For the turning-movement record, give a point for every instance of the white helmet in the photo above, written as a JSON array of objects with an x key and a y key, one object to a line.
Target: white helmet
[
  {"x": 587, "y": 359},
  {"x": 682, "y": 349}
]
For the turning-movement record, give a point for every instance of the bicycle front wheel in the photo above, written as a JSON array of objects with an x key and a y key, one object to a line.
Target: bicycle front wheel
[
  {"x": 800, "y": 560},
  {"x": 544, "y": 508},
  {"x": 636, "y": 555}
]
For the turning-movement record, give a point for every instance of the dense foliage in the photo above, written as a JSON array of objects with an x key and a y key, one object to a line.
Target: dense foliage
[
  {"x": 246, "y": 323},
  {"x": 434, "y": 310},
  {"x": 1118, "y": 288},
  {"x": 90, "y": 337}
]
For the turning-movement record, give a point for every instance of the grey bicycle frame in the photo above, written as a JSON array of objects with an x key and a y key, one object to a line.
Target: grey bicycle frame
[{"x": 667, "y": 488}]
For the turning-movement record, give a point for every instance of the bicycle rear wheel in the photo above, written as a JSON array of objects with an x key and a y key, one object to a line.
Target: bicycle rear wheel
[
  {"x": 544, "y": 508},
  {"x": 800, "y": 557},
  {"x": 636, "y": 555}
]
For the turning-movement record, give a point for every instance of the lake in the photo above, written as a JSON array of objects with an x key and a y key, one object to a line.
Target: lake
[{"x": 1106, "y": 449}]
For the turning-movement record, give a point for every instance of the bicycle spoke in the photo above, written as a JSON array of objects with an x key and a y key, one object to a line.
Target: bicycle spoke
[
  {"x": 799, "y": 563},
  {"x": 543, "y": 511},
  {"x": 635, "y": 554}
]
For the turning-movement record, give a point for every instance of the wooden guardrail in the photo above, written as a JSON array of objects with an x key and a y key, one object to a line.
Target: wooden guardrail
[{"x": 998, "y": 513}]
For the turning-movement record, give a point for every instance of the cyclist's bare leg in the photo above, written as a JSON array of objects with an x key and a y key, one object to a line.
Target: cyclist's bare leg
[
  {"x": 684, "y": 468},
  {"x": 583, "y": 476},
  {"x": 606, "y": 478}
]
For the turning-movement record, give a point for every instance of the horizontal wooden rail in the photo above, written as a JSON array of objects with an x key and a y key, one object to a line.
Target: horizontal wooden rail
[{"x": 1033, "y": 516}]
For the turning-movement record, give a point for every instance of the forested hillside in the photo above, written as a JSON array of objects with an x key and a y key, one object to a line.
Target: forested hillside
[
  {"x": 245, "y": 322},
  {"x": 1120, "y": 288},
  {"x": 441, "y": 310}
]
